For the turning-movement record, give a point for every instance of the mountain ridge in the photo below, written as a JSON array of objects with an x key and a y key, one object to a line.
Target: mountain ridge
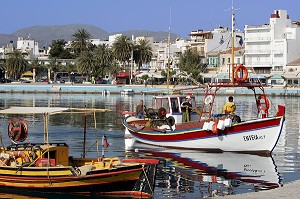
[{"x": 45, "y": 34}]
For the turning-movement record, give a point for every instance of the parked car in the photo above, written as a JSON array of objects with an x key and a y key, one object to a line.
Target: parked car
[
  {"x": 102, "y": 81},
  {"x": 5, "y": 80}
]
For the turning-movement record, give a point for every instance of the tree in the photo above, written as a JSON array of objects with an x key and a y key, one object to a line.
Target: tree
[
  {"x": 103, "y": 58},
  {"x": 15, "y": 65},
  {"x": 35, "y": 65},
  {"x": 191, "y": 63},
  {"x": 142, "y": 53},
  {"x": 58, "y": 50},
  {"x": 81, "y": 41},
  {"x": 69, "y": 68},
  {"x": 54, "y": 67},
  {"x": 85, "y": 63},
  {"x": 122, "y": 49}
]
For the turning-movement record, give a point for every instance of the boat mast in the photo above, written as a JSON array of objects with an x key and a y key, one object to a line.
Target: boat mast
[
  {"x": 232, "y": 42},
  {"x": 169, "y": 38}
]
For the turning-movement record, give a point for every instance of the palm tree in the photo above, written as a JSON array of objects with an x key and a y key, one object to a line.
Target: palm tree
[
  {"x": 54, "y": 67},
  {"x": 122, "y": 48},
  {"x": 81, "y": 41},
  {"x": 35, "y": 65},
  {"x": 85, "y": 63},
  {"x": 70, "y": 68},
  {"x": 15, "y": 65},
  {"x": 103, "y": 58},
  {"x": 142, "y": 53}
]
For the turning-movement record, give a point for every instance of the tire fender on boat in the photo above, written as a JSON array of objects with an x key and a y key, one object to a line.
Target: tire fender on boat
[{"x": 245, "y": 73}]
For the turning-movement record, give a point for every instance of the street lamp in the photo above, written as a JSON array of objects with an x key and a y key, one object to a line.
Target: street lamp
[{"x": 131, "y": 67}]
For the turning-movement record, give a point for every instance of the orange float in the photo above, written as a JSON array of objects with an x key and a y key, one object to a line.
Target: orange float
[{"x": 244, "y": 72}]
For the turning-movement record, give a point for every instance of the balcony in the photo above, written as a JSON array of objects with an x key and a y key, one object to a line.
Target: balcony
[
  {"x": 257, "y": 39},
  {"x": 265, "y": 51}
]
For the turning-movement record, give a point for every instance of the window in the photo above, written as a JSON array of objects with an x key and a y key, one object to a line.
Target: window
[
  {"x": 175, "y": 105},
  {"x": 228, "y": 61}
]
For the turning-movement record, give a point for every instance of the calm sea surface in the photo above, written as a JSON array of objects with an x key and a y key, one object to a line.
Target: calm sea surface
[{"x": 182, "y": 173}]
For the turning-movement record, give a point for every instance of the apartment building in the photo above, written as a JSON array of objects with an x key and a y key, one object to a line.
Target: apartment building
[{"x": 270, "y": 47}]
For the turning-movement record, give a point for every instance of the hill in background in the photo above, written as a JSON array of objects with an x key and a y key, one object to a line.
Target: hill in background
[{"x": 45, "y": 34}]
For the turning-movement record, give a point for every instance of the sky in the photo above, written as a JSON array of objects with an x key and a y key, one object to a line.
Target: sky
[{"x": 182, "y": 16}]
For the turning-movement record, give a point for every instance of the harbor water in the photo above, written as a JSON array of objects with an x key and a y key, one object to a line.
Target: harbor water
[{"x": 181, "y": 173}]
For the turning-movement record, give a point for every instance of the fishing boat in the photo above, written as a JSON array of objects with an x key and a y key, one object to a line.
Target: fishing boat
[
  {"x": 48, "y": 168},
  {"x": 214, "y": 131}
]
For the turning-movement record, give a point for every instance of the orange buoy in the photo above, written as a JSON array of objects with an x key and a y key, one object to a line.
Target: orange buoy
[
  {"x": 244, "y": 72},
  {"x": 215, "y": 128}
]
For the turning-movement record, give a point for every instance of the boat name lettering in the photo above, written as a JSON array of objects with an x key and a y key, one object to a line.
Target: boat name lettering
[{"x": 253, "y": 137}]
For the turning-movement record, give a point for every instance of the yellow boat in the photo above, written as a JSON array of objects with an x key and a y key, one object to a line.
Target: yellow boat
[{"x": 48, "y": 168}]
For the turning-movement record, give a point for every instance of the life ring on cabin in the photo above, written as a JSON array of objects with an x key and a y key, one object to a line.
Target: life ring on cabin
[
  {"x": 208, "y": 99},
  {"x": 244, "y": 72},
  {"x": 266, "y": 102},
  {"x": 17, "y": 130},
  {"x": 162, "y": 112}
]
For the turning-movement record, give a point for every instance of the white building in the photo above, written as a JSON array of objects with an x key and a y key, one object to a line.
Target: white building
[
  {"x": 217, "y": 40},
  {"x": 28, "y": 47},
  {"x": 271, "y": 46}
]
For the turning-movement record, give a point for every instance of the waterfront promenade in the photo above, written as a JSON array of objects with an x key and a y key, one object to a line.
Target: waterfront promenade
[{"x": 138, "y": 89}]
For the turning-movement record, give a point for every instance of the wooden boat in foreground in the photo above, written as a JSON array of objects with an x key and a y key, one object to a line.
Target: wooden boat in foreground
[{"x": 48, "y": 168}]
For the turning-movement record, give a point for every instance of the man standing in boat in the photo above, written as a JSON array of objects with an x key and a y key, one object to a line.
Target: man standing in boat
[
  {"x": 186, "y": 108},
  {"x": 229, "y": 107},
  {"x": 140, "y": 110}
]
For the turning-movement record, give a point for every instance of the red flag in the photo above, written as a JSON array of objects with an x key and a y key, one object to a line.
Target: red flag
[{"x": 104, "y": 142}]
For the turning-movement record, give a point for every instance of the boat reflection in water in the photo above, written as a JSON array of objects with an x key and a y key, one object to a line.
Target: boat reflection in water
[{"x": 192, "y": 173}]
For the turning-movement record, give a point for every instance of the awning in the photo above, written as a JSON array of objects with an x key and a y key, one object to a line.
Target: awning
[
  {"x": 154, "y": 75},
  {"x": 28, "y": 73},
  {"x": 258, "y": 76},
  {"x": 32, "y": 110},
  {"x": 276, "y": 77}
]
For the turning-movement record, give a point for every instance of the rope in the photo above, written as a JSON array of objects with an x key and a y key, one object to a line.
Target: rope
[{"x": 148, "y": 180}]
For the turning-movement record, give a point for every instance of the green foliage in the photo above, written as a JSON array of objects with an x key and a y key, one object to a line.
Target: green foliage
[
  {"x": 103, "y": 57},
  {"x": 85, "y": 63},
  {"x": 58, "y": 50},
  {"x": 142, "y": 52},
  {"x": 15, "y": 65},
  {"x": 122, "y": 49},
  {"x": 191, "y": 63},
  {"x": 81, "y": 41},
  {"x": 145, "y": 77}
]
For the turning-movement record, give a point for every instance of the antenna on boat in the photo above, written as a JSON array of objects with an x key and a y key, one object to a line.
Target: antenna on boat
[{"x": 232, "y": 41}]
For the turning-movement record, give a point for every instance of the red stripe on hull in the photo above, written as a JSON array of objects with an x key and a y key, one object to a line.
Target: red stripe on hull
[{"x": 201, "y": 134}]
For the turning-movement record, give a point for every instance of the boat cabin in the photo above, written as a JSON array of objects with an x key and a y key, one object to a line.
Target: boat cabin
[{"x": 172, "y": 104}]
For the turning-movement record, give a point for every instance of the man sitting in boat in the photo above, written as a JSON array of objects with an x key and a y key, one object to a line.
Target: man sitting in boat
[
  {"x": 229, "y": 107},
  {"x": 140, "y": 110},
  {"x": 186, "y": 108}
]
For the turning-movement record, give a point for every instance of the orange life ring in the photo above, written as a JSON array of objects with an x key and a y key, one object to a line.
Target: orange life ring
[
  {"x": 245, "y": 73},
  {"x": 266, "y": 102}
]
